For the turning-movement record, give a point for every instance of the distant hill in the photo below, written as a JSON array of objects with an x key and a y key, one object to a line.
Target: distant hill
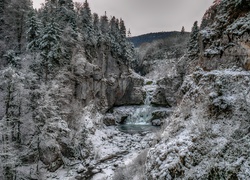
[{"x": 147, "y": 38}]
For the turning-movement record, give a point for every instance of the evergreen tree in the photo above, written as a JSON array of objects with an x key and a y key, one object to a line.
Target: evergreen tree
[
  {"x": 15, "y": 19},
  {"x": 12, "y": 82},
  {"x": 193, "y": 45},
  {"x": 122, "y": 29},
  {"x": 49, "y": 44},
  {"x": 33, "y": 32},
  {"x": 12, "y": 59},
  {"x": 86, "y": 17},
  {"x": 104, "y": 24},
  {"x": 70, "y": 4},
  {"x": 96, "y": 22},
  {"x": 182, "y": 30},
  {"x": 129, "y": 33},
  {"x": 115, "y": 37}
]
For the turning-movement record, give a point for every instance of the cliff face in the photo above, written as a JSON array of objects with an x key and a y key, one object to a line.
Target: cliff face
[
  {"x": 107, "y": 81},
  {"x": 207, "y": 137},
  {"x": 224, "y": 36}
]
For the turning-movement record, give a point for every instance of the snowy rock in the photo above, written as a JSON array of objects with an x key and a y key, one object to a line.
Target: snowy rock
[
  {"x": 161, "y": 114},
  {"x": 109, "y": 120},
  {"x": 202, "y": 142},
  {"x": 156, "y": 122}
]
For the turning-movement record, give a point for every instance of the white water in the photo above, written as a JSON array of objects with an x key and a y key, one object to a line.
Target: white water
[{"x": 143, "y": 114}]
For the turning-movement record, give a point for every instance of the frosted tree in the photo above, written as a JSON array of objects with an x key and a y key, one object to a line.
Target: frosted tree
[
  {"x": 115, "y": 36},
  {"x": 15, "y": 17},
  {"x": 86, "y": 16},
  {"x": 33, "y": 32},
  {"x": 96, "y": 22},
  {"x": 122, "y": 29},
  {"x": 50, "y": 47},
  {"x": 193, "y": 45},
  {"x": 12, "y": 88},
  {"x": 104, "y": 25},
  {"x": 12, "y": 82},
  {"x": 66, "y": 14},
  {"x": 12, "y": 59}
]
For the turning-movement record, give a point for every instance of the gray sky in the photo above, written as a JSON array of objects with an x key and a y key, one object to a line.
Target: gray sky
[{"x": 145, "y": 16}]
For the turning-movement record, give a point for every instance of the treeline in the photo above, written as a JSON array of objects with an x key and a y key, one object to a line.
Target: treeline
[{"x": 56, "y": 29}]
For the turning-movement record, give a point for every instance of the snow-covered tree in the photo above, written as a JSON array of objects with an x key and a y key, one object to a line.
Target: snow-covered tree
[
  {"x": 86, "y": 17},
  {"x": 66, "y": 16},
  {"x": 50, "y": 47},
  {"x": 12, "y": 23},
  {"x": 104, "y": 24},
  {"x": 12, "y": 58},
  {"x": 122, "y": 29},
  {"x": 12, "y": 82},
  {"x": 193, "y": 45},
  {"x": 33, "y": 32}
]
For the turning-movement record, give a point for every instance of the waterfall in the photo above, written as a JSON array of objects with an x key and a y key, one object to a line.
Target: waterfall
[{"x": 143, "y": 114}]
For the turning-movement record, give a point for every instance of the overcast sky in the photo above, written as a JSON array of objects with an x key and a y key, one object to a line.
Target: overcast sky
[{"x": 145, "y": 16}]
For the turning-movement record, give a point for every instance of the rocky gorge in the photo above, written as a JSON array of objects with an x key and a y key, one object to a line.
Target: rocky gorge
[{"x": 171, "y": 112}]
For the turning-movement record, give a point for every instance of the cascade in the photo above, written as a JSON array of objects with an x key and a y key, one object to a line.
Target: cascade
[{"x": 143, "y": 114}]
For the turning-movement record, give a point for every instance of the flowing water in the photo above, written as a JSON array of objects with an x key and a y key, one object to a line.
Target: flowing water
[{"x": 140, "y": 120}]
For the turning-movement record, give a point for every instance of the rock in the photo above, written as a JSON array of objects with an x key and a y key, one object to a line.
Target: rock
[
  {"x": 109, "y": 120},
  {"x": 159, "y": 98},
  {"x": 133, "y": 94},
  {"x": 156, "y": 122},
  {"x": 160, "y": 114},
  {"x": 50, "y": 153},
  {"x": 81, "y": 169}
]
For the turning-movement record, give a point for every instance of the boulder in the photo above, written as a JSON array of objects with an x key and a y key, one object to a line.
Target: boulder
[
  {"x": 109, "y": 120},
  {"x": 156, "y": 122},
  {"x": 159, "y": 98},
  {"x": 161, "y": 114}
]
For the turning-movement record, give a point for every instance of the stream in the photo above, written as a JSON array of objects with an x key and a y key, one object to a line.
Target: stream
[{"x": 141, "y": 118}]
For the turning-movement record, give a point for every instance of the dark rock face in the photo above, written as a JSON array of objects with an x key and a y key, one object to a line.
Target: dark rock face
[
  {"x": 161, "y": 114},
  {"x": 167, "y": 94},
  {"x": 108, "y": 82},
  {"x": 159, "y": 98},
  {"x": 109, "y": 120},
  {"x": 133, "y": 94}
]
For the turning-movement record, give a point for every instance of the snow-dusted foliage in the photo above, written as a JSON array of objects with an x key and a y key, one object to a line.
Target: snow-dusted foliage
[
  {"x": 207, "y": 137},
  {"x": 224, "y": 33},
  {"x": 193, "y": 45},
  {"x": 33, "y": 32},
  {"x": 60, "y": 67}
]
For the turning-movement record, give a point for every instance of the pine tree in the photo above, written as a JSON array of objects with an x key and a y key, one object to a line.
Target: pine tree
[
  {"x": 122, "y": 29},
  {"x": 33, "y": 32},
  {"x": 49, "y": 44},
  {"x": 15, "y": 18},
  {"x": 96, "y": 22},
  {"x": 104, "y": 24},
  {"x": 12, "y": 59},
  {"x": 70, "y": 4},
  {"x": 193, "y": 45},
  {"x": 129, "y": 33},
  {"x": 66, "y": 15},
  {"x": 182, "y": 30},
  {"x": 115, "y": 37},
  {"x": 13, "y": 83},
  {"x": 86, "y": 17}
]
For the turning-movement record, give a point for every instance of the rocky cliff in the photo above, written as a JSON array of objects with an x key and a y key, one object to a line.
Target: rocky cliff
[{"x": 207, "y": 137}]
